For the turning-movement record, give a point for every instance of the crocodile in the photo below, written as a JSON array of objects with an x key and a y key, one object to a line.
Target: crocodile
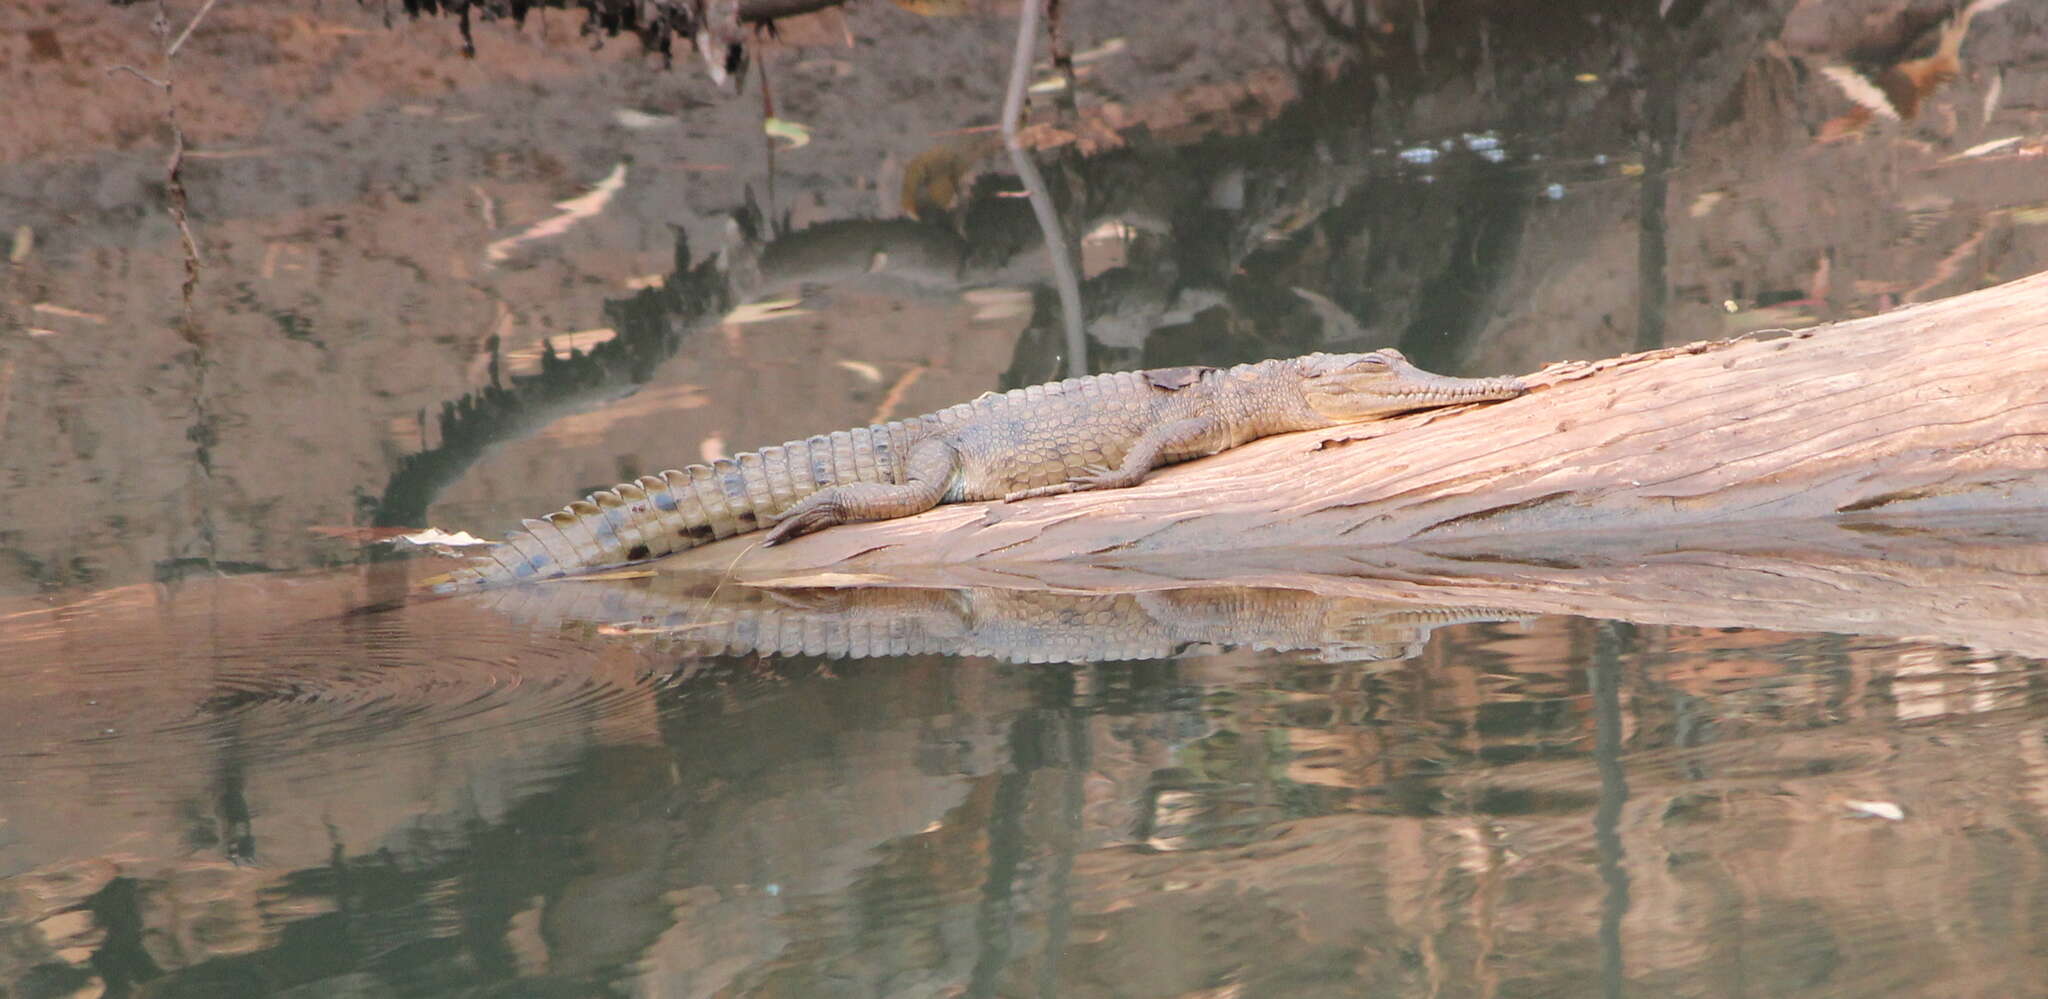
[
  {"x": 1102, "y": 431},
  {"x": 1024, "y": 626}
]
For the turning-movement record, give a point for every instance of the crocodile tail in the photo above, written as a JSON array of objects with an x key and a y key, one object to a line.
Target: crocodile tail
[
  {"x": 905, "y": 622},
  {"x": 679, "y": 509}
]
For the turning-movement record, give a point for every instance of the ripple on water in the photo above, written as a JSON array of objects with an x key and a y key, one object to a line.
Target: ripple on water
[{"x": 151, "y": 680}]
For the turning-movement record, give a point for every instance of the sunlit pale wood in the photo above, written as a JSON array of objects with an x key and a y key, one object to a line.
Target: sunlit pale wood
[{"x": 1940, "y": 407}]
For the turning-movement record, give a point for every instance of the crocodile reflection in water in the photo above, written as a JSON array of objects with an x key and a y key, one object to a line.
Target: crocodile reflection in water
[{"x": 1024, "y": 626}]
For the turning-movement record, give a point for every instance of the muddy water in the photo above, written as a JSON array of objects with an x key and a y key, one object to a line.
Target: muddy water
[
  {"x": 238, "y": 758},
  {"x": 236, "y": 789}
]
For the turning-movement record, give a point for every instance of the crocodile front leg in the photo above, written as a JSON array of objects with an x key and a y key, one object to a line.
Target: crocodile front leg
[
  {"x": 929, "y": 472},
  {"x": 1141, "y": 459}
]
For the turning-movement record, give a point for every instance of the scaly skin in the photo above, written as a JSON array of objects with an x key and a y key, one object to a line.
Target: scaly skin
[
  {"x": 1019, "y": 626},
  {"x": 1099, "y": 432}
]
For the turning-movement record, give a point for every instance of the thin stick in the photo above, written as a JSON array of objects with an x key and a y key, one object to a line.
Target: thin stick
[
  {"x": 767, "y": 112},
  {"x": 1034, "y": 185},
  {"x": 140, "y": 75},
  {"x": 698, "y": 618},
  {"x": 174, "y": 184},
  {"x": 187, "y": 33}
]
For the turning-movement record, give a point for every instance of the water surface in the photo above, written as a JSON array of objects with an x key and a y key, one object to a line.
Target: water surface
[{"x": 241, "y": 758}]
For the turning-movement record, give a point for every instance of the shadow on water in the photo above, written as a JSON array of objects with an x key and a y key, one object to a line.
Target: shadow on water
[
  {"x": 651, "y": 325},
  {"x": 1610, "y": 642}
]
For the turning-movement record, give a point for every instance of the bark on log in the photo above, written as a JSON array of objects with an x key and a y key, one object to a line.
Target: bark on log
[
  {"x": 1974, "y": 580},
  {"x": 1937, "y": 408}
]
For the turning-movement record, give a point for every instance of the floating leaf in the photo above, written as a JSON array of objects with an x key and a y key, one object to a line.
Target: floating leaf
[
  {"x": 1858, "y": 88},
  {"x": 1114, "y": 46},
  {"x": 934, "y": 8},
  {"x": 863, "y": 369},
  {"x": 1876, "y": 809},
  {"x": 997, "y": 304},
  {"x": 53, "y": 309},
  {"x": 798, "y": 136},
  {"x": 641, "y": 121},
  {"x": 763, "y": 312},
  {"x": 436, "y": 536},
  {"x": 1986, "y": 148}
]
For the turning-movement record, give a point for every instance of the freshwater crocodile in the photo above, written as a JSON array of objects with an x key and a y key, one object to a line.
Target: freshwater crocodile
[
  {"x": 1099, "y": 432},
  {"x": 1014, "y": 625}
]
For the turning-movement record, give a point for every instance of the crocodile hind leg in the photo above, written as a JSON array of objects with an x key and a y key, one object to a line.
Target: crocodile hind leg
[
  {"x": 1141, "y": 459},
  {"x": 928, "y": 472}
]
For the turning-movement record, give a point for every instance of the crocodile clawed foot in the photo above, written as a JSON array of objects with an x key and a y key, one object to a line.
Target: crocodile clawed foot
[
  {"x": 1099, "y": 477},
  {"x": 802, "y": 519},
  {"x": 1056, "y": 489},
  {"x": 1089, "y": 477}
]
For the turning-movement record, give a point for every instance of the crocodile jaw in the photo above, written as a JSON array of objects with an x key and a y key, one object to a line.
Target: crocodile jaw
[{"x": 1346, "y": 388}]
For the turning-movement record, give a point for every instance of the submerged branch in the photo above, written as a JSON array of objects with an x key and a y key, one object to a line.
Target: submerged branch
[{"x": 1056, "y": 248}]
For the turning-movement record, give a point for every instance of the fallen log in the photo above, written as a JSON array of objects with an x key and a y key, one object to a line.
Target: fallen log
[
  {"x": 1936, "y": 408},
  {"x": 1970, "y": 580}
]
